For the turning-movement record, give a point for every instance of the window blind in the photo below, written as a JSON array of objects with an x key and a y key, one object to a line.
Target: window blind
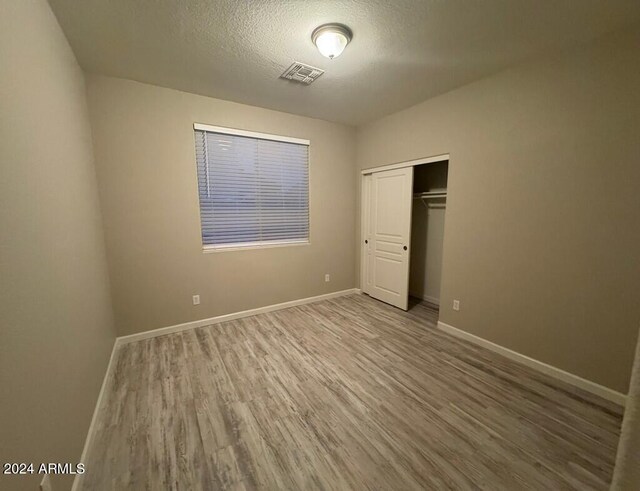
[{"x": 253, "y": 191}]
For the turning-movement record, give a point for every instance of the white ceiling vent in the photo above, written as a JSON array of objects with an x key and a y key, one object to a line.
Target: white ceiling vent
[{"x": 299, "y": 72}]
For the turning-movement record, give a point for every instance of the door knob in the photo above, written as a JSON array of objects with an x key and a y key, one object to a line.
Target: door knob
[
  {"x": 366, "y": 241},
  {"x": 405, "y": 248}
]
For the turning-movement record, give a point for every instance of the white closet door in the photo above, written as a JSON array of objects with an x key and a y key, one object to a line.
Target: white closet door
[{"x": 390, "y": 232}]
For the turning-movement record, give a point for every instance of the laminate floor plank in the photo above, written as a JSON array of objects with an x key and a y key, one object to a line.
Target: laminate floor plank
[{"x": 342, "y": 394}]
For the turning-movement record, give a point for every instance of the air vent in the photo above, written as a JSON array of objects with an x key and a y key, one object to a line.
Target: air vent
[{"x": 299, "y": 72}]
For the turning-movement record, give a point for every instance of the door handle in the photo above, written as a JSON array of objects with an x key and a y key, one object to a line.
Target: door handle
[
  {"x": 366, "y": 241},
  {"x": 405, "y": 248}
]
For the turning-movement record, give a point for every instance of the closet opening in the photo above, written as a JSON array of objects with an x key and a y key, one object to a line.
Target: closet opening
[
  {"x": 428, "y": 213},
  {"x": 403, "y": 216}
]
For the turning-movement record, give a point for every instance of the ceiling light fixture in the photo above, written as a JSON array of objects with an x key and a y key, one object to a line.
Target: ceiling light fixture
[{"x": 331, "y": 39}]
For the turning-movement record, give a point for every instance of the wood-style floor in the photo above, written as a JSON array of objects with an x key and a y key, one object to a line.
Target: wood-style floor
[{"x": 341, "y": 394}]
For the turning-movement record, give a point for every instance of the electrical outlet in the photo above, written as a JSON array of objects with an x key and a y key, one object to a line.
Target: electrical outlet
[
  {"x": 196, "y": 300},
  {"x": 456, "y": 305},
  {"x": 327, "y": 278}
]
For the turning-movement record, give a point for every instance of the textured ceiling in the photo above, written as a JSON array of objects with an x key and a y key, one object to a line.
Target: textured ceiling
[{"x": 403, "y": 51}]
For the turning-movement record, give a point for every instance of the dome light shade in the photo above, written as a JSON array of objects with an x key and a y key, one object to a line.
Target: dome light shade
[{"x": 331, "y": 39}]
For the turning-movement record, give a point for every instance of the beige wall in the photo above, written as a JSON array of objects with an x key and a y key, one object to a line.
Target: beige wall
[
  {"x": 145, "y": 157},
  {"x": 56, "y": 330},
  {"x": 542, "y": 233}
]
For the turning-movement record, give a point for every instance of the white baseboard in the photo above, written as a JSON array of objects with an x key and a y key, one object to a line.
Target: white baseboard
[
  {"x": 229, "y": 317},
  {"x": 587, "y": 385},
  {"x": 433, "y": 300},
  {"x": 96, "y": 409}
]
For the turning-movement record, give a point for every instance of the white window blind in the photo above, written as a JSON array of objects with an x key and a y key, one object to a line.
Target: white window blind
[{"x": 253, "y": 191}]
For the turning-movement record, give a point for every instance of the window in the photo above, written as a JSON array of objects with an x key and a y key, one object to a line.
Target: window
[{"x": 254, "y": 188}]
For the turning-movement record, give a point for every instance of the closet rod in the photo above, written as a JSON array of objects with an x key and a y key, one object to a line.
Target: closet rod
[{"x": 429, "y": 195}]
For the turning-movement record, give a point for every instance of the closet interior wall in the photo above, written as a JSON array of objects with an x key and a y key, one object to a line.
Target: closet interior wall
[{"x": 427, "y": 231}]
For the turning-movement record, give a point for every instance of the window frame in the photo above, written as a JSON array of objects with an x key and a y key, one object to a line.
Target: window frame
[{"x": 243, "y": 246}]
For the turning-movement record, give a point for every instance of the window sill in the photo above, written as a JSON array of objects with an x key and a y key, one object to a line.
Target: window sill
[{"x": 252, "y": 245}]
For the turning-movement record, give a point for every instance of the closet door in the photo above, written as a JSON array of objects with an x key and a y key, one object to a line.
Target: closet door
[
  {"x": 390, "y": 235},
  {"x": 366, "y": 256}
]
